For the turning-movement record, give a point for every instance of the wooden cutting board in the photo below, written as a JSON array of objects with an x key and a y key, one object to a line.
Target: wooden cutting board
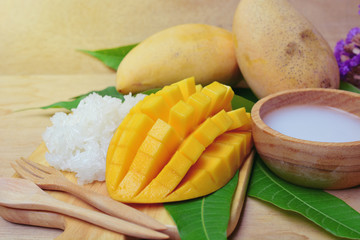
[{"x": 77, "y": 229}]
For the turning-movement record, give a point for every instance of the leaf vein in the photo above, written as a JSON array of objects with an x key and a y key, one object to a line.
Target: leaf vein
[{"x": 304, "y": 202}]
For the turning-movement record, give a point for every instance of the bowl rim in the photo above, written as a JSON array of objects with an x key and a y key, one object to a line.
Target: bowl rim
[{"x": 258, "y": 121}]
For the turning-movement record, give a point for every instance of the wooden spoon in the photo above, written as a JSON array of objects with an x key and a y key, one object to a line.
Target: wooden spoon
[{"x": 24, "y": 194}]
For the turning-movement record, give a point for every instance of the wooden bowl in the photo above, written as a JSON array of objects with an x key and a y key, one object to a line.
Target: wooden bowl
[{"x": 324, "y": 165}]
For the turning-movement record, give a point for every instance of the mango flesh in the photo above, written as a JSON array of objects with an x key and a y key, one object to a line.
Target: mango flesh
[
  {"x": 279, "y": 49},
  {"x": 203, "y": 51},
  {"x": 179, "y": 155}
]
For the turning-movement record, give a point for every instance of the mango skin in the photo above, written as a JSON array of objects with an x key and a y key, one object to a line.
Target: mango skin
[
  {"x": 279, "y": 49},
  {"x": 203, "y": 51}
]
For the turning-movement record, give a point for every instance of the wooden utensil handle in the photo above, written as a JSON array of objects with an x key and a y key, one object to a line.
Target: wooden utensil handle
[
  {"x": 31, "y": 217},
  {"x": 100, "y": 219},
  {"x": 112, "y": 207}
]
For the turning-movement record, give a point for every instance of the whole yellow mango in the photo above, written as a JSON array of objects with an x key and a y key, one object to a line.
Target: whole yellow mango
[
  {"x": 203, "y": 51},
  {"x": 279, "y": 49}
]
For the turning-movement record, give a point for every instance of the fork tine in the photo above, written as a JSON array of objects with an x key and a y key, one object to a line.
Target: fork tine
[
  {"x": 30, "y": 168},
  {"x": 23, "y": 173},
  {"x": 36, "y": 165},
  {"x": 45, "y": 169}
]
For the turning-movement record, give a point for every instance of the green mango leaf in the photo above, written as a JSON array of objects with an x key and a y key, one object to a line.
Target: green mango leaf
[
  {"x": 246, "y": 93},
  {"x": 239, "y": 101},
  {"x": 148, "y": 92},
  {"x": 349, "y": 87},
  {"x": 111, "y": 57},
  {"x": 206, "y": 217},
  {"x": 322, "y": 208},
  {"x": 109, "y": 91},
  {"x": 74, "y": 102}
]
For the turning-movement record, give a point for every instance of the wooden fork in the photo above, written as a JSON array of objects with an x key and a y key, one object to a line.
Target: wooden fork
[{"x": 51, "y": 179}]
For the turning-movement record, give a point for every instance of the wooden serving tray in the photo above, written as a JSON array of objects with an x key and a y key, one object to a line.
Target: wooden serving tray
[{"x": 77, "y": 229}]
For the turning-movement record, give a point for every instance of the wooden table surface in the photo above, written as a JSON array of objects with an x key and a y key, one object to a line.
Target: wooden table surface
[{"x": 39, "y": 66}]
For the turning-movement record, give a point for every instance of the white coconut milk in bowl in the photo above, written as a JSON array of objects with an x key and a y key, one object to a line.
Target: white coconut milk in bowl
[{"x": 310, "y": 137}]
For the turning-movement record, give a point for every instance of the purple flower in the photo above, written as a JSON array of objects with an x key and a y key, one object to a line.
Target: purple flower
[
  {"x": 338, "y": 51},
  {"x": 347, "y": 55},
  {"x": 355, "y": 61},
  {"x": 352, "y": 33}
]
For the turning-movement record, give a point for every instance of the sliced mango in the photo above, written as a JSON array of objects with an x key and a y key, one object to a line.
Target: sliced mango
[
  {"x": 241, "y": 120},
  {"x": 181, "y": 118},
  {"x": 166, "y": 134},
  {"x": 122, "y": 151},
  {"x": 183, "y": 142},
  {"x": 169, "y": 177},
  {"x": 172, "y": 94},
  {"x": 198, "y": 87},
  {"x": 151, "y": 107},
  {"x": 187, "y": 87},
  {"x": 201, "y": 104},
  {"x": 216, "y": 91},
  {"x": 188, "y": 153},
  {"x": 215, "y": 166},
  {"x": 160, "y": 143}
]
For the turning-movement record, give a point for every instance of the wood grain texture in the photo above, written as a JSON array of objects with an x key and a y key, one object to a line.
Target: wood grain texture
[{"x": 41, "y": 37}]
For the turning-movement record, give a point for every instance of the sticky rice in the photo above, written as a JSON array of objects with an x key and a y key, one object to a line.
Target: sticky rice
[{"x": 78, "y": 142}]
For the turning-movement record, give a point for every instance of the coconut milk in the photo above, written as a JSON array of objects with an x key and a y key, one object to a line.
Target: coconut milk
[{"x": 315, "y": 123}]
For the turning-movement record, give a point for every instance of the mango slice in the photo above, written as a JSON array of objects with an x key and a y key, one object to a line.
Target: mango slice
[
  {"x": 181, "y": 118},
  {"x": 124, "y": 148},
  {"x": 201, "y": 103},
  {"x": 183, "y": 142},
  {"x": 187, "y": 87}
]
